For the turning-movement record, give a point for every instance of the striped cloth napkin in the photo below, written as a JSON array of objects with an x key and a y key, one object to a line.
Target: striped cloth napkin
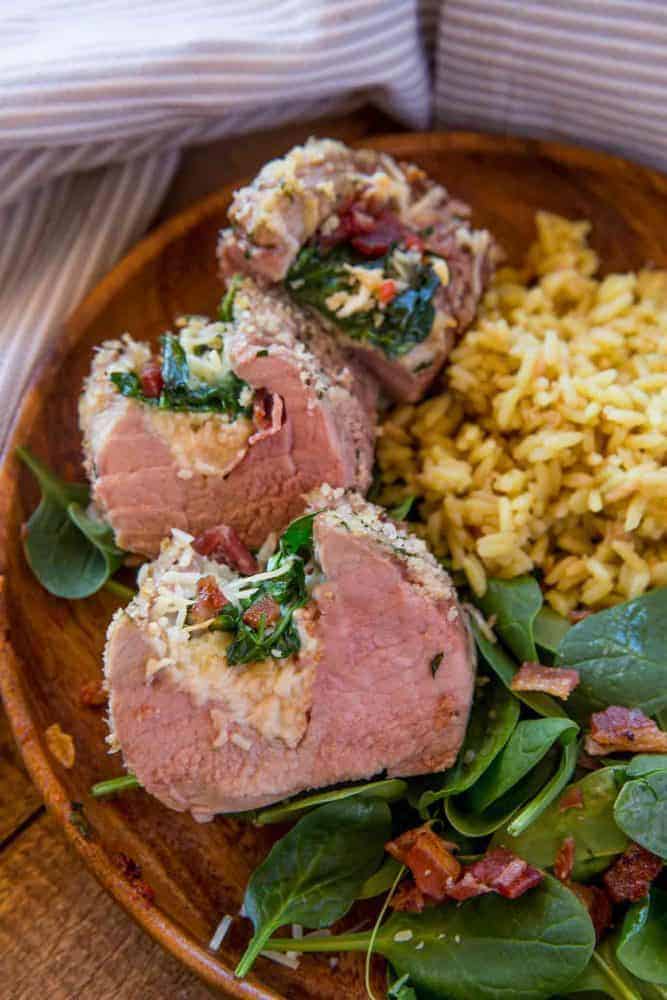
[{"x": 99, "y": 98}]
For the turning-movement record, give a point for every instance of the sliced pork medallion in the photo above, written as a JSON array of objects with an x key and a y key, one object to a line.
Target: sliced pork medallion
[
  {"x": 346, "y": 655},
  {"x": 375, "y": 246},
  {"x": 234, "y": 422}
]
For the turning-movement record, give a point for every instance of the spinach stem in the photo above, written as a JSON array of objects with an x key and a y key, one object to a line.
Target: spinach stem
[
  {"x": 374, "y": 934},
  {"x": 119, "y": 590},
  {"x": 335, "y": 942},
  {"x": 113, "y": 786}
]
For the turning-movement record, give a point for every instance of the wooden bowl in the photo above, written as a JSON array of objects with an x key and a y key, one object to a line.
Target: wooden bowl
[{"x": 50, "y": 647}]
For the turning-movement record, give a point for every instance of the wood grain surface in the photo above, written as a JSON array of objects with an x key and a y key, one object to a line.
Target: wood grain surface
[{"x": 50, "y": 647}]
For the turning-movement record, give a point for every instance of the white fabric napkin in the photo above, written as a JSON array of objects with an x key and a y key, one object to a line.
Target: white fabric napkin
[{"x": 98, "y": 98}]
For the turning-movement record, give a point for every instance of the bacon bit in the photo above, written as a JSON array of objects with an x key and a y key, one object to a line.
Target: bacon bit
[
  {"x": 630, "y": 876},
  {"x": 429, "y": 858},
  {"x": 265, "y": 608},
  {"x": 131, "y": 871},
  {"x": 554, "y": 680},
  {"x": 61, "y": 745},
  {"x": 578, "y": 616},
  {"x": 210, "y": 600},
  {"x": 618, "y": 729},
  {"x": 498, "y": 871},
  {"x": 588, "y": 763},
  {"x": 572, "y": 799},
  {"x": 92, "y": 694},
  {"x": 386, "y": 231},
  {"x": 151, "y": 379},
  {"x": 408, "y": 898},
  {"x": 564, "y": 862},
  {"x": 262, "y": 406},
  {"x": 387, "y": 291},
  {"x": 598, "y": 904},
  {"x": 223, "y": 545}
]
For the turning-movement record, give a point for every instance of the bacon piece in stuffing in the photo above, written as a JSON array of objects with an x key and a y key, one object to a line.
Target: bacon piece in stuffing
[
  {"x": 429, "y": 858},
  {"x": 268, "y": 410},
  {"x": 619, "y": 729},
  {"x": 557, "y": 681},
  {"x": 598, "y": 904},
  {"x": 630, "y": 876},
  {"x": 151, "y": 379},
  {"x": 210, "y": 600},
  {"x": 498, "y": 871},
  {"x": 223, "y": 545},
  {"x": 572, "y": 799},
  {"x": 408, "y": 898},
  {"x": 265, "y": 608},
  {"x": 564, "y": 862}
]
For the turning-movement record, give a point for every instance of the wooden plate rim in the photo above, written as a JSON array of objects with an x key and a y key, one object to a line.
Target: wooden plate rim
[{"x": 406, "y": 145}]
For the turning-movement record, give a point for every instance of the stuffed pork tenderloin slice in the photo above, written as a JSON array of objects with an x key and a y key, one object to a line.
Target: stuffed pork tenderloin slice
[
  {"x": 233, "y": 422},
  {"x": 346, "y": 656},
  {"x": 376, "y": 247}
]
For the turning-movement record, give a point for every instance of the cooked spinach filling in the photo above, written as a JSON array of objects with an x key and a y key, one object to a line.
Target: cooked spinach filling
[
  {"x": 182, "y": 391},
  {"x": 287, "y": 587},
  {"x": 406, "y": 321}
]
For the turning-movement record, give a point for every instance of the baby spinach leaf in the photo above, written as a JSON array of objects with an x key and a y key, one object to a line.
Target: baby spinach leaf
[
  {"x": 71, "y": 554},
  {"x": 605, "y": 974},
  {"x": 402, "y": 990},
  {"x": 597, "y": 838},
  {"x": 480, "y": 824},
  {"x": 401, "y": 511},
  {"x": 489, "y": 948},
  {"x": 314, "y": 873},
  {"x": 641, "y": 811},
  {"x": 530, "y": 812},
  {"x": 297, "y": 539},
  {"x": 621, "y": 656},
  {"x": 505, "y": 668},
  {"x": 526, "y": 747},
  {"x": 515, "y": 604},
  {"x": 382, "y": 880},
  {"x": 646, "y": 763},
  {"x": 495, "y": 713},
  {"x": 387, "y": 789},
  {"x": 549, "y": 629},
  {"x": 642, "y": 944}
]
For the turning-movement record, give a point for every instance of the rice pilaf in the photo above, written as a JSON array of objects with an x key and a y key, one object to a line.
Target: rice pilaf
[{"x": 546, "y": 450}]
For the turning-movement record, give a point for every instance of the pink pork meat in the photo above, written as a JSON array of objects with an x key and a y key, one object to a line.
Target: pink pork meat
[
  {"x": 295, "y": 413},
  {"x": 374, "y": 674}
]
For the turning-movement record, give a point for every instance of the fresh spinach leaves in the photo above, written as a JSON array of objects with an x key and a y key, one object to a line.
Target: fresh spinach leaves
[
  {"x": 287, "y": 587},
  {"x": 528, "y": 744},
  {"x": 387, "y": 789},
  {"x": 620, "y": 656},
  {"x": 549, "y": 628},
  {"x": 598, "y": 840},
  {"x": 515, "y": 605},
  {"x": 315, "y": 872},
  {"x": 641, "y": 811},
  {"x": 71, "y": 554},
  {"x": 642, "y": 944},
  {"x": 406, "y": 321},
  {"x": 605, "y": 974},
  {"x": 401, "y": 510},
  {"x": 489, "y": 948}
]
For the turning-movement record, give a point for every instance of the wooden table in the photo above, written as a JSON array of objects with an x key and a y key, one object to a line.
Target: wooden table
[{"x": 61, "y": 936}]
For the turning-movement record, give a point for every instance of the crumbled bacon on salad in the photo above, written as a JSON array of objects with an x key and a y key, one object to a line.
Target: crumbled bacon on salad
[
  {"x": 631, "y": 875},
  {"x": 619, "y": 729},
  {"x": 564, "y": 863},
  {"x": 572, "y": 799},
  {"x": 223, "y": 545},
  {"x": 265, "y": 609},
  {"x": 557, "y": 681},
  {"x": 437, "y": 875}
]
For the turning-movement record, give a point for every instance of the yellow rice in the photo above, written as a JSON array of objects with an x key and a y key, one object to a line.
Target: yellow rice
[{"x": 547, "y": 447}]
